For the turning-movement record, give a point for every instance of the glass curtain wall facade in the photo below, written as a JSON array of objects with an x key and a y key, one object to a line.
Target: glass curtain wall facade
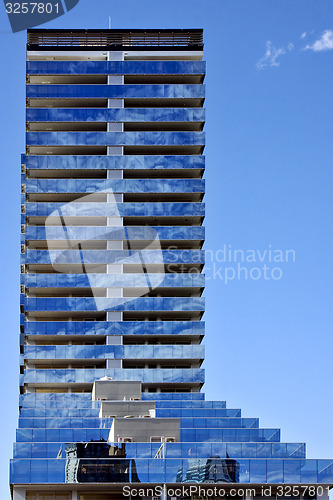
[{"x": 111, "y": 279}]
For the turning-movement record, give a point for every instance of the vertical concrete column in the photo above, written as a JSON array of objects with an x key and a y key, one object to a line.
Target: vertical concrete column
[
  {"x": 115, "y": 198},
  {"x": 164, "y": 495},
  {"x": 114, "y": 340},
  {"x": 75, "y": 495},
  {"x": 19, "y": 494},
  {"x": 116, "y": 102}
]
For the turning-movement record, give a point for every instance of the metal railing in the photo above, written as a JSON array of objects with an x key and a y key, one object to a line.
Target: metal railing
[{"x": 116, "y": 38}]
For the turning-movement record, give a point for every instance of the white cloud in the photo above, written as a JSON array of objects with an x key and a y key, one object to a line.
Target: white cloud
[
  {"x": 325, "y": 42},
  {"x": 272, "y": 54},
  {"x": 270, "y": 57}
]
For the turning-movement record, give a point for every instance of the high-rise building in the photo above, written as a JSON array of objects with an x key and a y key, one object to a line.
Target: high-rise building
[{"x": 111, "y": 291}]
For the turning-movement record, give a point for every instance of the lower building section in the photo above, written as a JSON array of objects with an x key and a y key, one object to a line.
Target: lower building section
[{"x": 118, "y": 436}]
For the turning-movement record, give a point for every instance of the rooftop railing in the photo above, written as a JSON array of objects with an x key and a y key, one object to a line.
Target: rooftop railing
[{"x": 131, "y": 40}]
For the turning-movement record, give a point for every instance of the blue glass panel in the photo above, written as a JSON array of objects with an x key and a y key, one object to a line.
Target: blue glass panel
[
  {"x": 38, "y": 471},
  {"x": 115, "y": 185},
  {"x": 60, "y": 257},
  {"x": 244, "y": 471},
  {"x": 292, "y": 471},
  {"x": 279, "y": 450},
  {"x": 115, "y": 209},
  {"x": 296, "y": 450},
  {"x": 200, "y": 412},
  {"x": 115, "y": 138},
  {"x": 23, "y": 450},
  {"x": 116, "y": 304},
  {"x": 20, "y": 471},
  {"x": 116, "y": 115},
  {"x": 186, "y": 91},
  {"x": 94, "y": 162},
  {"x": 89, "y": 233},
  {"x": 258, "y": 473},
  {"x": 116, "y": 67},
  {"x": 275, "y": 471},
  {"x": 89, "y": 376},
  {"x": 325, "y": 471},
  {"x": 172, "y": 468},
  {"x": 55, "y": 471},
  {"x": 309, "y": 471},
  {"x": 250, "y": 450}
]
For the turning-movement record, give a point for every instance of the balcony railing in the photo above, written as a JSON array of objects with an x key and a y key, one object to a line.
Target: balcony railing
[{"x": 130, "y": 40}]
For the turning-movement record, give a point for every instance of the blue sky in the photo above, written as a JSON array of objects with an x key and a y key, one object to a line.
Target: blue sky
[{"x": 269, "y": 186}]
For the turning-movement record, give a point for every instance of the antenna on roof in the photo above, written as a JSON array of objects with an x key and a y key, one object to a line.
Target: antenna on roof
[{"x": 109, "y": 22}]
